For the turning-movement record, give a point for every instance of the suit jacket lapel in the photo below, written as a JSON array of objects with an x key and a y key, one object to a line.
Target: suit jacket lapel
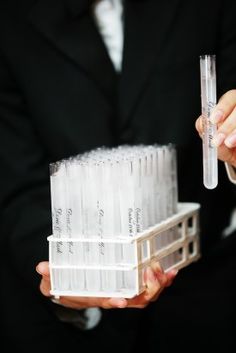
[
  {"x": 147, "y": 26},
  {"x": 76, "y": 36}
]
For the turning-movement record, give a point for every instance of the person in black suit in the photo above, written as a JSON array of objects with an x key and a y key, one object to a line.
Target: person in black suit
[{"x": 59, "y": 96}]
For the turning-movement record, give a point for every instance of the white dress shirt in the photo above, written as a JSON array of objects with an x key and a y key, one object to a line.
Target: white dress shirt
[{"x": 108, "y": 16}]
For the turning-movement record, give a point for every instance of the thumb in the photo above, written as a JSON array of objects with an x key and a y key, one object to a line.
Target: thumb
[
  {"x": 43, "y": 268},
  {"x": 45, "y": 284}
]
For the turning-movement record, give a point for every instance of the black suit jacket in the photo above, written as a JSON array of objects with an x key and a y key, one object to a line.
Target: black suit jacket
[{"x": 59, "y": 96}]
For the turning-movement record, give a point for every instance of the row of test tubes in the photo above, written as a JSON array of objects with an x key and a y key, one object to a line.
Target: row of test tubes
[{"x": 109, "y": 193}]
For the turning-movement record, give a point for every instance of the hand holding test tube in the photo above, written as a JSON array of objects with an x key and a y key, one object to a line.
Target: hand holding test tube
[{"x": 208, "y": 100}]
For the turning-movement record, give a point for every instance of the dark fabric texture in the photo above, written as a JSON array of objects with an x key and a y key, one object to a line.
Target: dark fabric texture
[{"x": 59, "y": 96}]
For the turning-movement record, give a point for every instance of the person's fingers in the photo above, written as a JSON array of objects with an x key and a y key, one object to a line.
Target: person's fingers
[
  {"x": 198, "y": 126},
  {"x": 115, "y": 303},
  {"x": 76, "y": 302},
  {"x": 229, "y": 124},
  {"x": 218, "y": 139},
  {"x": 168, "y": 280},
  {"x": 224, "y": 115},
  {"x": 230, "y": 140},
  {"x": 156, "y": 267},
  {"x": 171, "y": 276},
  {"x": 90, "y": 302},
  {"x": 45, "y": 284},
  {"x": 217, "y": 115},
  {"x": 43, "y": 268},
  {"x": 226, "y": 154},
  {"x": 153, "y": 287},
  {"x": 156, "y": 281},
  {"x": 226, "y": 132},
  {"x": 224, "y": 107}
]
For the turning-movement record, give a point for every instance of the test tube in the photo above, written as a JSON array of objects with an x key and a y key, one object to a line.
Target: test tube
[{"x": 208, "y": 101}]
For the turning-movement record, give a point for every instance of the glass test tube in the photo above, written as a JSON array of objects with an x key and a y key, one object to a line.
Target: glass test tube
[{"x": 208, "y": 101}]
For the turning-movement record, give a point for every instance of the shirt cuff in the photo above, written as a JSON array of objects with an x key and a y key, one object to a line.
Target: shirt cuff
[
  {"x": 231, "y": 172},
  {"x": 83, "y": 319}
]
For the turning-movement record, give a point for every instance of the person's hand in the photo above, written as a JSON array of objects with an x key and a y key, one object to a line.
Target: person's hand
[
  {"x": 155, "y": 279},
  {"x": 224, "y": 115}
]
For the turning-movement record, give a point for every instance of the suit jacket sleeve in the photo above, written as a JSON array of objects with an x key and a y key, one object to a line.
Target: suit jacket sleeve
[
  {"x": 226, "y": 39},
  {"x": 25, "y": 219}
]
